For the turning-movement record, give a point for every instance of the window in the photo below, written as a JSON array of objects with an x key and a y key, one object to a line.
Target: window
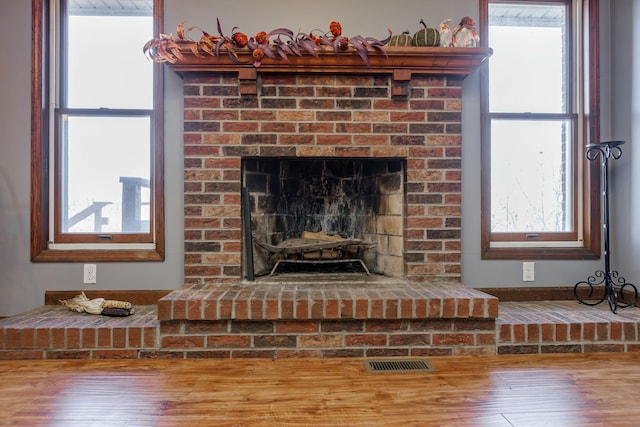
[
  {"x": 97, "y": 190},
  {"x": 539, "y": 110}
]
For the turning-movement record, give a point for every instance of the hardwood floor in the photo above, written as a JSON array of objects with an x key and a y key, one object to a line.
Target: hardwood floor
[{"x": 598, "y": 389}]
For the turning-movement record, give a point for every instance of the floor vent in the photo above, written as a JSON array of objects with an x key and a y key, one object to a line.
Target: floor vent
[{"x": 402, "y": 365}]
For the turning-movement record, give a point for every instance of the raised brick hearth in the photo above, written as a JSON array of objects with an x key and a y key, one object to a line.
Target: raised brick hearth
[{"x": 534, "y": 327}]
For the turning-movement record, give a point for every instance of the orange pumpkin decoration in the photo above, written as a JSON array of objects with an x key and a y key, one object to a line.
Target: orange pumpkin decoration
[
  {"x": 240, "y": 39},
  {"x": 261, "y": 38},
  {"x": 335, "y": 28}
]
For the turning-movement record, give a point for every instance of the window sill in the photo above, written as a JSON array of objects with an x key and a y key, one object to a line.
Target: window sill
[
  {"x": 524, "y": 253},
  {"x": 103, "y": 255}
]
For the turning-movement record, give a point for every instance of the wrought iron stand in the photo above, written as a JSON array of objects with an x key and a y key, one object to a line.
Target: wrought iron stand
[{"x": 617, "y": 292}]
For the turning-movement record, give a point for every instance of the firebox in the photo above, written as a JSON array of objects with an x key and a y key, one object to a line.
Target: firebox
[{"x": 323, "y": 214}]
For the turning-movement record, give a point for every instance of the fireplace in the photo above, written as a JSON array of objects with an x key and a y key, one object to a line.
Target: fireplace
[
  {"x": 334, "y": 148},
  {"x": 246, "y": 127},
  {"x": 338, "y": 210}
]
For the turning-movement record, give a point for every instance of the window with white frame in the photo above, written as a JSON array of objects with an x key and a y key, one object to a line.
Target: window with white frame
[
  {"x": 536, "y": 185},
  {"x": 100, "y": 135}
]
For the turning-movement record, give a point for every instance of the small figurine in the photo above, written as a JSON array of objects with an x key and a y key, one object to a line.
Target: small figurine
[
  {"x": 445, "y": 34},
  {"x": 465, "y": 33}
]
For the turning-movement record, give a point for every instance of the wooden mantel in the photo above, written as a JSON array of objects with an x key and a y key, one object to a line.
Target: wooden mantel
[{"x": 401, "y": 62}]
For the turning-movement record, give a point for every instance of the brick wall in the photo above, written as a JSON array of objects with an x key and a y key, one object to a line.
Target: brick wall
[{"x": 321, "y": 116}]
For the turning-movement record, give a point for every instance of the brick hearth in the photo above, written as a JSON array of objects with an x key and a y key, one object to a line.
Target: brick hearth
[{"x": 52, "y": 332}]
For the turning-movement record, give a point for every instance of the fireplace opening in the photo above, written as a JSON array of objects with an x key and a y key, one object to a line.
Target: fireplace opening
[{"x": 325, "y": 215}]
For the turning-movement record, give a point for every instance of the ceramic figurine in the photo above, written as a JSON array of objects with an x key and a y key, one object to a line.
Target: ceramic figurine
[
  {"x": 445, "y": 34},
  {"x": 465, "y": 33}
]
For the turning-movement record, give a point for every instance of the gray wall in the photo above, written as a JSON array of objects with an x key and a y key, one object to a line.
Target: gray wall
[
  {"x": 625, "y": 125},
  {"x": 22, "y": 283}
]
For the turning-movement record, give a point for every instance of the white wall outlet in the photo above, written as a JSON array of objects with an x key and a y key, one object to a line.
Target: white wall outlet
[
  {"x": 90, "y": 273},
  {"x": 528, "y": 271}
]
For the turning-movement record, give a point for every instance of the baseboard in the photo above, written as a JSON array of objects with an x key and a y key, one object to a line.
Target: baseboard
[
  {"x": 137, "y": 297},
  {"x": 536, "y": 294},
  {"x": 531, "y": 294}
]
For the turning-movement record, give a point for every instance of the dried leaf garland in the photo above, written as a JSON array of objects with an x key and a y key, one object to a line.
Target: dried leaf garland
[{"x": 277, "y": 44}]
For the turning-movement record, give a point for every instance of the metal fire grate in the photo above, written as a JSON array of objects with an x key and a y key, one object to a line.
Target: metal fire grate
[{"x": 402, "y": 365}]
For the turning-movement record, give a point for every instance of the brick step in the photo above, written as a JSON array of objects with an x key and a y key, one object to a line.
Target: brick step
[
  {"x": 55, "y": 332},
  {"x": 385, "y": 298},
  {"x": 535, "y": 327}
]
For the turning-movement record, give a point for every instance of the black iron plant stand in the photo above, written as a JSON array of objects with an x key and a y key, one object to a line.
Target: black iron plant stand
[{"x": 617, "y": 292}]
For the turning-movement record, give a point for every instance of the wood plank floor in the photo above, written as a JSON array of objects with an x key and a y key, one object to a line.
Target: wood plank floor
[{"x": 598, "y": 389}]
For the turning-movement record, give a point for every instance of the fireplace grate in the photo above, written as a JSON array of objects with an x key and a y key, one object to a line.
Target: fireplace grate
[{"x": 401, "y": 365}]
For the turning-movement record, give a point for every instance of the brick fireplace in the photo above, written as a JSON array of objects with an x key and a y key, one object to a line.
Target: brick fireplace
[{"x": 244, "y": 126}]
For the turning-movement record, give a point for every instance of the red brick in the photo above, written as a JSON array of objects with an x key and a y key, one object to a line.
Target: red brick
[
  {"x": 486, "y": 339},
  {"x": 119, "y": 337},
  {"x": 630, "y": 331},
  {"x": 179, "y": 310},
  {"x": 463, "y": 309},
  {"x": 403, "y": 340},
  {"x": 575, "y": 331},
  {"x": 150, "y": 337},
  {"x": 342, "y": 326},
  {"x": 288, "y": 327},
  {"x": 533, "y": 333},
  {"x": 602, "y": 331},
  {"x": 505, "y": 334},
  {"x": 562, "y": 332},
  {"x": 43, "y": 338},
  {"x": 368, "y": 340},
  {"x": 134, "y": 337},
  {"x": 346, "y": 309},
  {"x": 88, "y": 337},
  {"x": 182, "y": 341},
  {"x": 452, "y": 339},
  {"x": 104, "y": 337},
  {"x": 302, "y": 309},
  {"x": 519, "y": 335},
  {"x": 318, "y": 341},
  {"x": 272, "y": 311},
  {"x": 57, "y": 338},
  {"x": 615, "y": 331},
  {"x": 317, "y": 307},
  {"x": 588, "y": 331},
  {"x": 361, "y": 309},
  {"x": 390, "y": 309},
  {"x": 114, "y": 354},
  {"x": 194, "y": 309},
  {"x": 22, "y": 354},
  {"x": 547, "y": 332},
  {"x": 228, "y": 341},
  {"x": 72, "y": 338}
]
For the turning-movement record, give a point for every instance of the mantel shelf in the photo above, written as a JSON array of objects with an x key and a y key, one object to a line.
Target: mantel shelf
[
  {"x": 401, "y": 62},
  {"x": 426, "y": 60}
]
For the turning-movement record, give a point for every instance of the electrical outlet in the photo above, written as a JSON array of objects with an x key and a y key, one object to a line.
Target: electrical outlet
[
  {"x": 528, "y": 271},
  {"x": 90, "y": 273}
]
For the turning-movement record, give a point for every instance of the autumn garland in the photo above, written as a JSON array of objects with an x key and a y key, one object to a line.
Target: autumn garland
[{"x": 277, "y": 44}]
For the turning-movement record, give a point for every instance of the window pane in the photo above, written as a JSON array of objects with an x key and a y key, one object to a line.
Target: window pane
[
  {"x": 529, "y": 65},
  {"x": 530, "y": 176},
  {"x": 105, "y": 172},
  {"x": 106, "y": 66}
]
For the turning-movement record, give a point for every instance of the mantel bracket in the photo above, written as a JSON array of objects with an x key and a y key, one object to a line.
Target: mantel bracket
[{"x": 400, "y": 83}]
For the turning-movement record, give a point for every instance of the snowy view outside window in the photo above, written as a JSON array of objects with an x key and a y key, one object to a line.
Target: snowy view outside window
[
  {"x": 105, "y": 136},
  {"x": 531, "y": 128}
]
